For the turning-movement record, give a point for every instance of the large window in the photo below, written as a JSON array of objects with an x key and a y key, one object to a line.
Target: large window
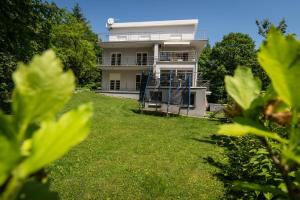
[
  {"x": 185, "y": 74},
  {"x": 141, "y": 58},
  {"x": 116, "y": 59},
  {"x": 174, "y": 56},
  {"x": 188, "y": 100},
  {"x": 114, "y": 84}
]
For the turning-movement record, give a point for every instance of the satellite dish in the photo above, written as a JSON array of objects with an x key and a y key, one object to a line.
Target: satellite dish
[{"x": 110, "y": 21}]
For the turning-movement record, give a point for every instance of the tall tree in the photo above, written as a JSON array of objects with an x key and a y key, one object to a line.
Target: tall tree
[
  {"x": 77, "y": 13},
  {"x": 235, "y": 49},
  {"x": 265, "y": 25},
  {"x": 69, "y": 41},
  {"x": 25, "y": 27}
]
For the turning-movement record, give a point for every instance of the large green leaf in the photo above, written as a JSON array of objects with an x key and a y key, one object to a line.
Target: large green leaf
[
  {"x": 9, "y": 153},
  {"x": 243, "y": 87},
  {"x": 244, "y": 126},
  {"x": 9, "y": 156},
  {"x": 41, "y": 89},
  {"x": 54, "y": 139},
  {"x": 280, "y": 58}
]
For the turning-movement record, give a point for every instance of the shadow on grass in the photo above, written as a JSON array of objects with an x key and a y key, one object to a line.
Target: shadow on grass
[
  {"x": 224, "y": 168},
  {"x": 154, "y": 113},
  {"x": 34, "y": 190}
]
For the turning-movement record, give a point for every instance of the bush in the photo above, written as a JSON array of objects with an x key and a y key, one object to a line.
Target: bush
[{"x": 271, "y": 117}]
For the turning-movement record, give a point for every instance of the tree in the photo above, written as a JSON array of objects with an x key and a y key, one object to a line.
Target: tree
[
  {"x": 69, "y": 41},
  {"x": 25, "y": 26},
  {"x": 265, "y": 25},
  {"x": 77, "y": 13},
  {"x": 235, "y": 49}
]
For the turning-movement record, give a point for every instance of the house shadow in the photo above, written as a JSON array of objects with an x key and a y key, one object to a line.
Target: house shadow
[
  {"x": 153, "y": 113},
  {"x": 35, "y": 190}
]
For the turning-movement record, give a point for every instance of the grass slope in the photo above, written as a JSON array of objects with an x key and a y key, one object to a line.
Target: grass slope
[{"x": 134, "y": 156}]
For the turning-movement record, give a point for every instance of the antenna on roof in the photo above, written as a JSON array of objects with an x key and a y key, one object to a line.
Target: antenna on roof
[{"x": 110, "y": 22}]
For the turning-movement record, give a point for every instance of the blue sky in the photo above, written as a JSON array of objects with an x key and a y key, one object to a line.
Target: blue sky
[{"x": 217, "y": 17}]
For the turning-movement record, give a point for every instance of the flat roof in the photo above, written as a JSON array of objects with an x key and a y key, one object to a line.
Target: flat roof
[
  {"x": 137, "y": 44},
  {"x": 154, "y": 23}
]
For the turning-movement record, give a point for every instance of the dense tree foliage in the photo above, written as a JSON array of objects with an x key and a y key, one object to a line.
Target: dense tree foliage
[
  {"x": 222, "y": 59},
  {"x": 25, "y": 26},
  {"x": 29, "y": 27},
  {"x": 72, "y": 42}
]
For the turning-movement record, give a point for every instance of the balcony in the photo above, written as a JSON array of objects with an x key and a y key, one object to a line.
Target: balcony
[
  {"x": 123, "y": 61},
  {"x": 177, "y": 56},
  {"x": 152, "y": 36}
]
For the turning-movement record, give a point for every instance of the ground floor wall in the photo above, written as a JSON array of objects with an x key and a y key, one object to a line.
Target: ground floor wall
[{"x": 127, "y": 80}]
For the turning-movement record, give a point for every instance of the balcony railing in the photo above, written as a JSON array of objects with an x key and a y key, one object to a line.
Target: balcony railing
[
  {"x": 177, "y": 56},
  {"x": 152, "y": 36},
  {"x": 127, "y": 61}
]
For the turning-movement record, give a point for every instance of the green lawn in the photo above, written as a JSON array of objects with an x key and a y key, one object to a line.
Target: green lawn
[{"x": 133, "y": 156}]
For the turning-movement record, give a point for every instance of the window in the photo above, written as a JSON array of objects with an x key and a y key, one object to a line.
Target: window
[
  {"x": 141, "y": 58},
  {"x": 116, "y": 59},
  {"x": 185, "y": 96},
  {"x": 174, "y": 56},
  {"x": 165, "y": 56},
  {"x": 184, "y": 74},
  {"x": 138, "y": 81},
  {"x": 117, "y": 84},
  {"x": 114, "y": 85}
]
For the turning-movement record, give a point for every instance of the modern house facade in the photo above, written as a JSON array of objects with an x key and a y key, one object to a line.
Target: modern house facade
[{"x": 157, "y": 47}]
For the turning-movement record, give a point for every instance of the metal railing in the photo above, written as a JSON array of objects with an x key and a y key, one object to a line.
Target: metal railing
[
  {"x": 127, "y": 61},
  {"x": 177, "y": 56},
  {"x": 152, "y": 36}
]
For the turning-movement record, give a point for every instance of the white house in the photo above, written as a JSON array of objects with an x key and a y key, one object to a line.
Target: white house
[{"x": 156, "y": 47}]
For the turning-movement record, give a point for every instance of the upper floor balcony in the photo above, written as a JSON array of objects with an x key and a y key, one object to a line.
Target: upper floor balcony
[
  {"x": 177, "y": 56},
  {"x": 142, "y": 59},
  {"x": 117, "y": 60},
  {"x": 153, "y": 36}
]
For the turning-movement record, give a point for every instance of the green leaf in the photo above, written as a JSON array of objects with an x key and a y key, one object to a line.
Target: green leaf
[
  {"x": 9, "y": 156},
  {"x": 257, "y": 187},
  {"x": 280, "y": 58},
  {"x": 41, "y": 89},
  {"x": 243, "y": 87},
  {"x": 9, "y": 153},
  {"x": 243, "y": 126},
  {"x": 54, "y": 139}
]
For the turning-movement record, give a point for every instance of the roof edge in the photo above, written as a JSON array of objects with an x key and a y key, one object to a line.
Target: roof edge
[{"x": 155, "y": 23}]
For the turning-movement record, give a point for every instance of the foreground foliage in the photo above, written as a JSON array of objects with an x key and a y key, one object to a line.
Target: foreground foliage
[
  {"x": 32, "y": 137},
  {"x": 262, "y": 113}
]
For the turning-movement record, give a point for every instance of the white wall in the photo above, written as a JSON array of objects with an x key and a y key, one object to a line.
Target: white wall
[
  {"x": 128, "y": 55},
  {"x": 179, "y": 32},
  {"x": 127, "y": 79}
]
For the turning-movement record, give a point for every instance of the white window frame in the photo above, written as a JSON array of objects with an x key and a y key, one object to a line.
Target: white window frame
[
  {"x": 138, "y": 74},
  {"x": 116, "y": 53},
  {"x": 147, "y": 58}
]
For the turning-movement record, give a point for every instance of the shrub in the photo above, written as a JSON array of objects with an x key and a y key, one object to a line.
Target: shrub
[{"x": 271, "y": 116}]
